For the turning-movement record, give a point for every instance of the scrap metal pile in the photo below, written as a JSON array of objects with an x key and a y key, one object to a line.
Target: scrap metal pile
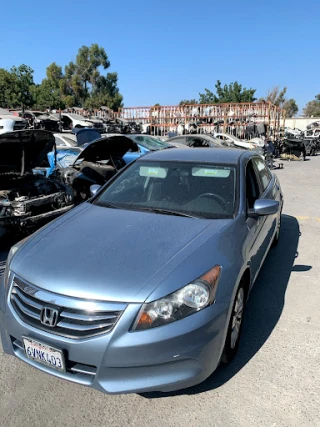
[{"x": 244, "y": 120}]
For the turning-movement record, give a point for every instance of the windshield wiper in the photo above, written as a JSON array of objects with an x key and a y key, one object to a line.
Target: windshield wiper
[
  {"x": 107, "y": 205},
  {"x": 166, "y": 212}
]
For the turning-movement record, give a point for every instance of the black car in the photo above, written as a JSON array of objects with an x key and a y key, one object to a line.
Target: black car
[
  {"x": 293, "y": 147},
  {"x": 40, "y": 120},
  {"x": 28, "y": 199},
  {"x": 300, "y": 147}
]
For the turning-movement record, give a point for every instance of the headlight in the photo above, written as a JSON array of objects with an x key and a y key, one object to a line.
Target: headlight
[
  {"x": 11, "y": 254},
  {"x": 182, "y": 303}
]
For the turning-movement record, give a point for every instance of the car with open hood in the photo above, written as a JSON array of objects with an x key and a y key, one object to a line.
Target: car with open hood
[
  {"x": 27, "y": 198},
  {"x": 41, "y": 120},
  {"x": 144, "y": 286},
  {"x": 96, "y": 163}
]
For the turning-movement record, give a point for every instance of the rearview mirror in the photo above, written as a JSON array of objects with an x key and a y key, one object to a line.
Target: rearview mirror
[
  {"x": 265, "y": 207},
  {"x": 94, "y": 189}
]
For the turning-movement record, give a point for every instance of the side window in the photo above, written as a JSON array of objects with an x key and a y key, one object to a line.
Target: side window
[
  {"x": 195, "y": 141},
  {"x": 179, "y": 140},
  {"x": 252, "y": 185},
  {"x": 264, "y": 172}
]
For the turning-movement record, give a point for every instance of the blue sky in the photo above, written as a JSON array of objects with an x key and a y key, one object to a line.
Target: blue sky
[{"x": 165, "y": 51}]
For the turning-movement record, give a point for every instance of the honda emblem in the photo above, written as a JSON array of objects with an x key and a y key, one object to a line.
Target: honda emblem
[{"x": 49, "y": 316}]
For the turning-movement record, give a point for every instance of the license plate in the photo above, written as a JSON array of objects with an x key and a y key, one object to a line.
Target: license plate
[{"x": 44, "y": 354}]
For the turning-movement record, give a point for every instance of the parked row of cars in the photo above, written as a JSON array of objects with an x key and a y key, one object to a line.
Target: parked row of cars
[
  {"x": 59, "y": 169},
  {"x": 64, "y": 122},
  {"x": 143, "y": 286}
]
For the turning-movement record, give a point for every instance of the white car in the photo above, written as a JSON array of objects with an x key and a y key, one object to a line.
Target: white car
[
  {"x": 312, "y": 133},
  {"x": 10, "y": 123},
  {"x": 70, "y": 121},
  {"x": 253, "y": 143}
]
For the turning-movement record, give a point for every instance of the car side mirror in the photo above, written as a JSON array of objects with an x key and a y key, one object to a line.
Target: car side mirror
[
  {"x": 265, "y": 207},
  {"x": 94, "y": 189}
]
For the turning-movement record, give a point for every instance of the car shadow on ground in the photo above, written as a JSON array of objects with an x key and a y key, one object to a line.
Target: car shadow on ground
[{"x": 263, "y": 309}]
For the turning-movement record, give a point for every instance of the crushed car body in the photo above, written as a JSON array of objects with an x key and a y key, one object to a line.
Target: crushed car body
[{"x": 28, "y": 199}]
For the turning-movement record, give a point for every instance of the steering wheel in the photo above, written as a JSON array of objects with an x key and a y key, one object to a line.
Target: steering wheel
[{"x": 219, "y": 199}]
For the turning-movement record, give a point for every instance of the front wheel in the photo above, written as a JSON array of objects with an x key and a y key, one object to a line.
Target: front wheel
[
  {"x": 235, "y": 327},
  {"x": 277, "y": 235}
]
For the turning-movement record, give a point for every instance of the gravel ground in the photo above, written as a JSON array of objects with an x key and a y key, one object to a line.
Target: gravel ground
[{"x": 274, "y": 380}]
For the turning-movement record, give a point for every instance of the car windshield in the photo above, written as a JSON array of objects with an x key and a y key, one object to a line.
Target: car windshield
[
  {"x": 174, "y": 188},
  {"x": 149, "y": 142}
]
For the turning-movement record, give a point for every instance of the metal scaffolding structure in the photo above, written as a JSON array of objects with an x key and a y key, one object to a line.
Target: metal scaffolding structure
[{"x": 207, "y": 118}]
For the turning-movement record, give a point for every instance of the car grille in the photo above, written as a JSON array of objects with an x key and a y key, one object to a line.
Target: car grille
[{"x": 75, "y": 317}]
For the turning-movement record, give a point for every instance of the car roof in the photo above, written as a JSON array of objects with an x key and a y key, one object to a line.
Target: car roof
[
  {"x": 197, "y": 135},
  {"x": 206, "y": 155}
]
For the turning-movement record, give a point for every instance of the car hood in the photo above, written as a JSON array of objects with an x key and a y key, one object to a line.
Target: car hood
[
  {"x": 115, "y": 146},
  {"x": 11, "y": 117},
  {"x": 46, "y": 117},
  {"x": 21, "y": 151},
  {"x": 110, "y": 254}
]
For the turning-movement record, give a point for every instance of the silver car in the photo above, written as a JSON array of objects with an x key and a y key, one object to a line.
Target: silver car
[{"x": 143, "y": 287}]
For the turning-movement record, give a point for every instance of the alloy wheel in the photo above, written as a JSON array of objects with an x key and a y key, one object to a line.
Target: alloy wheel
[{"x": 237, "y": 318}]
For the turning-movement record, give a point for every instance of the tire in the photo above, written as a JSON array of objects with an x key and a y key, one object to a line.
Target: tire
[
  {"x": 277, "y": 235},
  {"x": 235, "y": 326}
]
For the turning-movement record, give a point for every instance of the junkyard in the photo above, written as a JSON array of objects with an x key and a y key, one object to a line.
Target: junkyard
[
  {"x": 159, "y": 214},
  {"x": 272, "y": 382}
]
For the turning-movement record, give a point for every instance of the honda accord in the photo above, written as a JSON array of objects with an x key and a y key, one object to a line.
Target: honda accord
[{"x": 143, "y": 287}]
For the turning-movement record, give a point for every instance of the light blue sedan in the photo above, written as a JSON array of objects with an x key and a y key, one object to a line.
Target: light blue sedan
[{"x": 143, "y": 287}]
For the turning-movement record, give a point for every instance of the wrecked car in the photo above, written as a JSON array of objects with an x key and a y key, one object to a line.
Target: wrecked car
[
  {"x": 10, "y": 122},
  {"x": 70, "y": 121},
  {"x": 295, "y": 148},
  {"x": 312, "y": 146},
  {"x": 40, "y": 120},
  {"x": 69, "y": 146},
  {"x": 99, "y": 161},
  {"x": 27, "y": 198}
]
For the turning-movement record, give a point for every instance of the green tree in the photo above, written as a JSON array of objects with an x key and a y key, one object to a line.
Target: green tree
[
  {"x": 234, "y": 92},
  {"x": 17, "y": 87},
  {"x": 5, "y": 88},
  {"x": 312, "y": 109},
  {"x": 291, "y": 108},
  {"x": 188, "y": 102},
  {"x": 49, "y": 94},
  {"x": 81, "y": 84},
  {"x": 86, "y": 69},
  {"x": 105, "y": 92}
]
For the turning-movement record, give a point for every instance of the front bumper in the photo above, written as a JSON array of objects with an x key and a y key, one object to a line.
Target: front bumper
[{"x": 172, "y": 357}]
